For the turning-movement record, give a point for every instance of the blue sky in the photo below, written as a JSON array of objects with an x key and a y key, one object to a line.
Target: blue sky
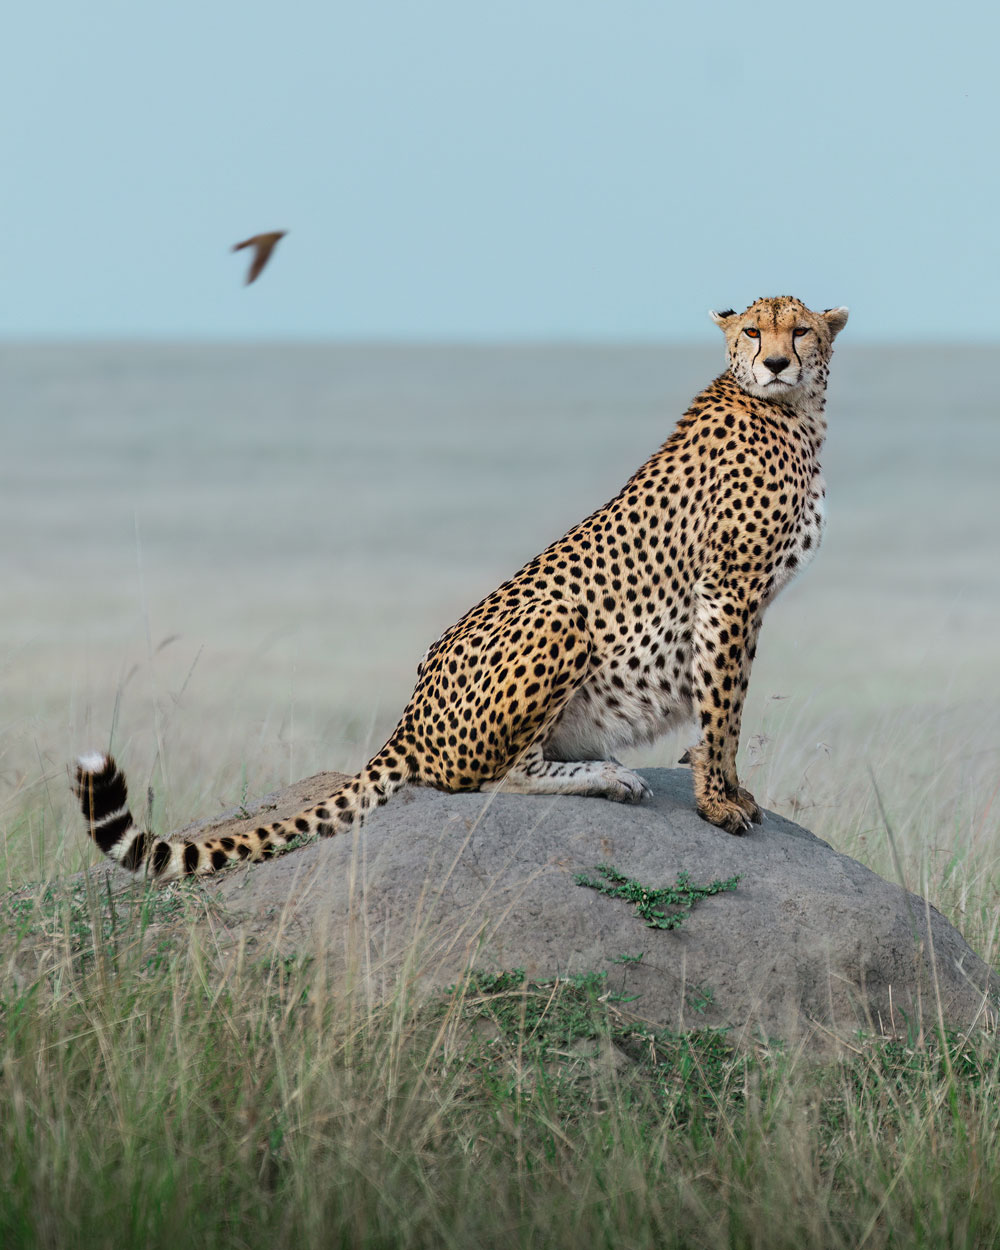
[{"x": 527, "y": 170}]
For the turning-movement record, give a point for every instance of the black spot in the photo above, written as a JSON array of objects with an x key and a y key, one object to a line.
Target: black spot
[
  {"x": 107, "y": 835},
  {"x": 136, "y": 853},
  {"x": 191, "y": 857},
  {"x": 219, "y": 859},
  {"x": 161, "y": 857},
  {"x": 101, "y": 793}
]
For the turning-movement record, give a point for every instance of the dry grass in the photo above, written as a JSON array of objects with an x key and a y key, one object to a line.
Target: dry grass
[
  {"x": 158, "y": 1086},
  {"x": 160, "y": 1090}
]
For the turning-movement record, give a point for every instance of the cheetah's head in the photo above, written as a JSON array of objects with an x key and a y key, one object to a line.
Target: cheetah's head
[{"x": 778, "y": 348}]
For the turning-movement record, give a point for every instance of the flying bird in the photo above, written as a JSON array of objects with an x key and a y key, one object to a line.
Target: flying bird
[{"x": 263, "y": 245}]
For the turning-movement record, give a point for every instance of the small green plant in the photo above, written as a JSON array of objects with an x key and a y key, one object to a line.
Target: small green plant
[
  {"x": 493, "y": 982},
  {"x": 651, "y": 903},
  {"x": 699, "y": 998},
  {"x": 551, "y": 1013}
]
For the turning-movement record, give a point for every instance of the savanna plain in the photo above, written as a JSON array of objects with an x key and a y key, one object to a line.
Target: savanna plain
[{"x": 223, "y": 563}]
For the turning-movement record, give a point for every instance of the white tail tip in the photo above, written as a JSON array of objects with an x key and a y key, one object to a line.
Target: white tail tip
[{"x": 92, "y": 762}]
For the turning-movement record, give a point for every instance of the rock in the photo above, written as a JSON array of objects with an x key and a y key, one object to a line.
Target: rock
[{"x": 810, "y": 944}]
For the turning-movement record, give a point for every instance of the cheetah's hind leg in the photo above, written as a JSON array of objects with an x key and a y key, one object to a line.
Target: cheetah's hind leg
[
  {"x": 534, "y": 774},
  {"x": 499, "y": 694}
]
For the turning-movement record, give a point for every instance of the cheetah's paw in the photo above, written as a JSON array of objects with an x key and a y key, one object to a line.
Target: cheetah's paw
[
  {"x": 622, "y": 785},
  {"x": 745, "y": 800},
  {"x": 729, "y": 814}
]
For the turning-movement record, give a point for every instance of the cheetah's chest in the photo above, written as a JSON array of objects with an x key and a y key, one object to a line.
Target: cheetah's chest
[{"x": 627, "y": 703}]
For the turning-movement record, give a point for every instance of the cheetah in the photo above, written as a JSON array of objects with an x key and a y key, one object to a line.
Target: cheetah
[{"x": 642, "y": 617}]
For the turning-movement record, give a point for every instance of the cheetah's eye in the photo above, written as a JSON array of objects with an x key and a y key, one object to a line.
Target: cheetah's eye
[
  {"x": 751, "y": 333},
  {"x": 799, "y": 331}
]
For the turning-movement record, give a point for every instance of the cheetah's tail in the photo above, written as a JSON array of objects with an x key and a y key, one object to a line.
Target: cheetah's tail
[{"x": 101, "y": 788}]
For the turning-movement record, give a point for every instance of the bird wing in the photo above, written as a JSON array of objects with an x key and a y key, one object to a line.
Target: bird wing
[{"x": 260, "y": 259}]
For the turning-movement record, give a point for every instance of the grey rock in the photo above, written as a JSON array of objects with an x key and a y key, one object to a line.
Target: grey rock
[{"x": 810, "y": 945}]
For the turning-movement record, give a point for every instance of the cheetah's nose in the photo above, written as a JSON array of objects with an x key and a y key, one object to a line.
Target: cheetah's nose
[{"x": 777, "y": 363}]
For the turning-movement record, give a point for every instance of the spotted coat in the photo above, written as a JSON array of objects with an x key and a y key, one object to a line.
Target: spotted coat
[{"x": 643, "y": 616}]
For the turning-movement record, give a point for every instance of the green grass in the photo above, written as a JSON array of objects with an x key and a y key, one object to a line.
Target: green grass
[
  {"x": 159, "y": 1088},
  {"x": 156, "y": 1085}
]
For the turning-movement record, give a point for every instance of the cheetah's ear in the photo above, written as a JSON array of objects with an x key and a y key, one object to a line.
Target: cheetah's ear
[
  {"x": 836, "y": 319},
  {"x": 720, "y": 318}
]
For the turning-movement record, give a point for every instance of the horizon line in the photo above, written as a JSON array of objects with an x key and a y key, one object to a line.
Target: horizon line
[{"x": 414, "y": 341}]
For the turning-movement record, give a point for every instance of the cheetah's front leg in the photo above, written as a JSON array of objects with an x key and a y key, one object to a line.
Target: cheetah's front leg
[
  {"x": 607, "y": 779},
  {"x": 725, "y": 641}
]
